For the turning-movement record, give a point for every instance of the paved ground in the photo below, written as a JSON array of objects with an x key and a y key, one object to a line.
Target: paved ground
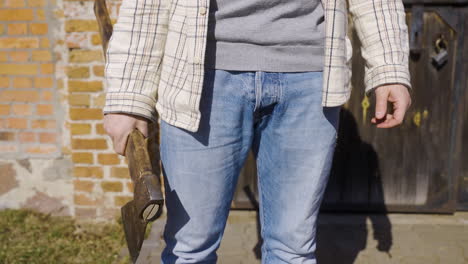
[{"x": 349, "y": 238}]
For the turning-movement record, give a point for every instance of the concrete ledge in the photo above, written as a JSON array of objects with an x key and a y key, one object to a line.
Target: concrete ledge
[{"x": 348, "y": 239}]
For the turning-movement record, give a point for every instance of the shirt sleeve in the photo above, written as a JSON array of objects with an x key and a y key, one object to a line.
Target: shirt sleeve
[
  {"x": 133, "y": 57},
  {"x": 382, "y": 30}
]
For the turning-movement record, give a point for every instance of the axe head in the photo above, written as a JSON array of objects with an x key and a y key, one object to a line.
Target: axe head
[
  {"x": 147, "y": 200},
  {"x": 134, "y": 229}
]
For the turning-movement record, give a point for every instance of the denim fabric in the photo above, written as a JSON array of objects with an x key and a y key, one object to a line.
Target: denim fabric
[{"x": 280, "y": 117}]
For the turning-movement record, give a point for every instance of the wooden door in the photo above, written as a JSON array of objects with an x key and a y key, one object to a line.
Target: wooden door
[{"x": 407, "y": 168}]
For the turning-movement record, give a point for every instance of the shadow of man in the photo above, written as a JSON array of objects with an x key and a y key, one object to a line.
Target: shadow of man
[{"x": 340, "y": 237}]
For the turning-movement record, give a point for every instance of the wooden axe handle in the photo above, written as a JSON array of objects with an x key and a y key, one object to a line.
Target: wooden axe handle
[
  {"x": 104, "y": 22},
  {"x": 105, "y": 30}
]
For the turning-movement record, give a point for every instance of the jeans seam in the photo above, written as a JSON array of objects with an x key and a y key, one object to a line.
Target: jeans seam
[
  {"x": 262, "y": 208},
  {"x": 280, "y": 88},
  {"x": 258, "y": 89}
]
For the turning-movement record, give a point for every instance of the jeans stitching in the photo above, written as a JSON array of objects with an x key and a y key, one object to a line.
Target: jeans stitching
[
  {"x": 262, "y": 208},
  {"x": 258, "y": 90}
]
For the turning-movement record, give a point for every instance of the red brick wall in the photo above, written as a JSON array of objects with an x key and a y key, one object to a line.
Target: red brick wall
[
  {"x": 28, "y": 109},
  {"x": 51, "y": 99}
]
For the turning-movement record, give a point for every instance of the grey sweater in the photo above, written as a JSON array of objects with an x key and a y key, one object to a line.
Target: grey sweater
[{"x": 266, "y": 35}]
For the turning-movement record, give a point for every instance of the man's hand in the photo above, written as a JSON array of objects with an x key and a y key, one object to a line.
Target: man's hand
[
  {"x": 399, "y": 96},
  {"x": 119, "y": 126}
]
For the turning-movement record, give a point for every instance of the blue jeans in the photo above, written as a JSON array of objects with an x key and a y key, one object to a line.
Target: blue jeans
[{"x": 277, "y": 114}]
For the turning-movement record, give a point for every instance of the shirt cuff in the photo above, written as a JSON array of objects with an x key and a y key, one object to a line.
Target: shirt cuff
[
  {"x": 131, "y": 103},
  {"x": 387, "y": 74}
]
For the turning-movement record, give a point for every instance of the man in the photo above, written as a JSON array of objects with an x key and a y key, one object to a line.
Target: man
[{"x": 229, "y": 76}]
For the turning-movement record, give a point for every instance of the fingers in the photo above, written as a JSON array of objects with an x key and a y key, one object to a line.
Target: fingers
[
  {"x": 396, "y": 94},
  {"x": 120, "y": 142},
  {"x": 398, "y": 112},
  {"x": 381, "y": 94},
  {"x": 119, "y": 126},
  {"x": 142, "y": 126},
  {"x": 389, "y": 121}
]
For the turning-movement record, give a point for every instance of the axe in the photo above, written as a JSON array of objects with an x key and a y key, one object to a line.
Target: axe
[
  {"x": 147, "y": 200},
  {"x": 143, "y": 162}
]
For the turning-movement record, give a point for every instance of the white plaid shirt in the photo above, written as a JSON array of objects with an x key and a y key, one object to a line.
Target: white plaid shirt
[{"x": 155, "y": 57}]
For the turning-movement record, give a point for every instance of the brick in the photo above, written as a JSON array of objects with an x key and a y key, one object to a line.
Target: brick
[
  {"x": 85, "y": 86},
  {"x": 47, "y": 96},
  {"x": 80, "y": 129},
  {"x": 100, "y": 100},
  {"x": 85, "y": 114},
  {"x": 27, "y": 137},
  {"x": 80, "y": 199},
  {"x": 79, "y": 100},
  {"x": 44, "y": 43},
  {"x": 7, "y": 136},
  {"x": 36, "y": 3},
  {"x": 19, "y": 56},
  {"x": 4, "y": 109},
  {"x": 96, "y": 39},
  {"x": 47, "y": 68},
  {"x": 130, "y": 186},
  {"x": 120, "y": 172},
  {"x": 108, "y": 159},
  {"x": 40, "y": 14},
  {"x": 18, "y": 69},
  {"x": 78, "y": 72},
  {"x": 21, "y": 109},
  {"x": 98, "y": 70},
  {"x": 48, "y": 137},
  {"x": 100, "y": 129},
  {"x": 4, "y": 82},
  {"x": 44, "y": 109},
  {"x": 82, "y": 157},
  {"x": 22, "y": 82},
  {"x": 77, "y": 40},
  {"x": 41, "y": 149},
  {"x": 83, "y": 56},
  {"x": 17, "y": 29},
  {"x": 14, "y": 3},
  {"x": 83, "y": 186},
  {"x": 16, "y": 14},
  {"x": 39, "y": 28},
  {"x": 121, "y": 200},
  {"x": 85, "y": 213},
  {"x": 19, "y": 96},
  {"x": 44, "y": 124},
  {"x": 2, "y": 27},
  {"x": 43, "y": 82},
  {"x": 88, "y": 172},
  {"x": 19, "y": 43},
  {"x": 110, "y": 213},
  {"x": 79, "y": 25},
  {"x": 41, "y": 55},
  {"x": 3, "y": 56},
  {"x": 17, "y": 123},
  {"x": 89, "y": 143},
  {"x": 8, "y": 148},
  {"x": 111, "y": 186}
]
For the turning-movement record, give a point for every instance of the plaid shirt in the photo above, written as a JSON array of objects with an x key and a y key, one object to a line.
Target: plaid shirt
[{"x": 155, "y": 57}]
